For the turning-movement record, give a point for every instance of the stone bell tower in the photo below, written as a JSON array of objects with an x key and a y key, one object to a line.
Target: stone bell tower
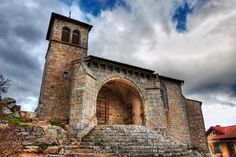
[{"x": 68, "y": 41}]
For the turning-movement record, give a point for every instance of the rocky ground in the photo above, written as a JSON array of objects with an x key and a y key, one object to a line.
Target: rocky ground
[{"x": 23, "y": 135}]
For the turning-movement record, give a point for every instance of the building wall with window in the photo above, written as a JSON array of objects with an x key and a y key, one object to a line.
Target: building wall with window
[
  {"x": 219, "y": 149},
  {"x": 175, "y": 109},
  {"x": 86, "y": 90},
  {"x": 222, "y": 140},
  {"x": 55, "y": 87}
]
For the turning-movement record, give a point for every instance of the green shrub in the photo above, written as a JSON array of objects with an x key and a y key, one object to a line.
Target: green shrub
[
  {"x": 15, "y": 121},
  {"x": 43, "y": 146},
  {"x": 58, "y": 123}
]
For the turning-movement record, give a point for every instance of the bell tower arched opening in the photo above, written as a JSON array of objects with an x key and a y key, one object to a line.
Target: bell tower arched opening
[{"x": 119, "y": 103}]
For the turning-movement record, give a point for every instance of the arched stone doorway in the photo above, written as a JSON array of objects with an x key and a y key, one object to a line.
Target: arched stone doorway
[{"x": 119, "y": 102}]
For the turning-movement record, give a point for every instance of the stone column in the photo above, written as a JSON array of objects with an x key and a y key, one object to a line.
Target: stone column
[
  {"x": 83, "y": 97},
  {"x": 155, "y": 116}
]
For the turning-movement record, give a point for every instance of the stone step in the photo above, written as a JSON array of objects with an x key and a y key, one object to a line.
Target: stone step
[
  {"x": 97, "y": 143},
  {"x": 125, "y": 139},
  {"x": 139, "y": 155},
  {"x": 131, "y": 140},
  {"x": 124, "y": 127},
  {"x": 136, "y": 149},
  {"x": 153, "y": 155},
  {"x": 79, "y": 150},
  {"x": 119, "y": 133},
  {"x": 84, "y": 155}
]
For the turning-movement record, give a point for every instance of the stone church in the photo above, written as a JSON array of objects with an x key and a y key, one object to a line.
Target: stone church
[{"x": 88, "y": 91}]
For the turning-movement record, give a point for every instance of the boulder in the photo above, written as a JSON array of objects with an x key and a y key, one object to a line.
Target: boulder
[
  {"x": 8, "y": 106},
  {"x": 16, "y": 114},
  {"x": 52, "y": 150},
  {"x": 48, "y": 141},
  {"x": 27, "y": 115},
  {"x": 28, "y": 142},
  {"x": 6, "y": 110},
  {"x": 15, "y": 108},
  {"x": 31, "y": 149},
  {"x": 11, "y": 105},
  {"x": 9, "y": 100},
  {"x": 3, "y": 126}
]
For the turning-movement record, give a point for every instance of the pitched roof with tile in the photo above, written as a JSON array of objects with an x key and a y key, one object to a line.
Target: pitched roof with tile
[{"x": 225, "y": 132}]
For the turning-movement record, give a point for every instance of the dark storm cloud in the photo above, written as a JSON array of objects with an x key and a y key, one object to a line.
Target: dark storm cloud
[
  {"x": 145, "y": 35},
  {"x": 233, "y": 90},
  {"x": 29, "y": 32},
  {"x": 204, "y": 56},
  {"x": 13, "y": 53},
  {"x": 23, "y": 27}
]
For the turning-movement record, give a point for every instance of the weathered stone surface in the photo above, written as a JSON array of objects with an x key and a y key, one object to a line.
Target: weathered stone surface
[
  {"x": 31, "y": 149},
  {"x": 132, "y": 141},
  {"x": 4, "y": 125},
  {"x": 25, "y": 133},
  {"x": 196, "y": 125},
  {"x": 28, "y": 154},
  {"x": 46, "y": 141},
  {"x": 11, "y": 105},
  {"x": 15, "y": 108},
  {"x": 27, "y": 115},
  {"x": 55, "y": 92},
  {"x": 28, "y": 142},
  {"x": 176, "y": 115},
  {"x": 16, "y": 114},
  {"x": 6, "y": 110},
  {"x": 10, "y": 140},
  {"x": 9, "y": 100},
  {"x": 86, "y": 91},
  {"x": 52, "y": 150},
  {"x": 37, "y": 131}
]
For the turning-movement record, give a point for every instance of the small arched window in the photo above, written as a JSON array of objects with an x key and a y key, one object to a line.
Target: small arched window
[
  {"x": 65, "y": 35},
  {"x": 164, "y": 96},
  {"x": 76, "y": 37}
]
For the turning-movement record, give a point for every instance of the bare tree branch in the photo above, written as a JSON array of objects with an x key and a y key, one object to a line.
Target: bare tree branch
[{"x": 4, "y": 84}]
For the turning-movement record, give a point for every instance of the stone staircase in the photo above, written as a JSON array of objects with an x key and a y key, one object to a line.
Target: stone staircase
[
  {"x": 71, "y": 148},
  {"x": 132, "y": 140}
]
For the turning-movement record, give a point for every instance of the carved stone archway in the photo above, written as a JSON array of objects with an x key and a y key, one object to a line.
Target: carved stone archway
[{"x": 119, "y": 102}]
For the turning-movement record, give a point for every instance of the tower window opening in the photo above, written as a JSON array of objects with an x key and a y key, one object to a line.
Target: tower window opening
[
  {"x": 76, "y": 37},
  {"x": 164, "y": 97},
  {"x": 66, "y": 75},
  {"x": 65, "y": 34}
]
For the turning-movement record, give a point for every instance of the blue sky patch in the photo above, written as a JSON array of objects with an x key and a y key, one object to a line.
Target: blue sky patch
[
  {"x": 95, "y": 7},
  {"x": 180, "y": 17}
]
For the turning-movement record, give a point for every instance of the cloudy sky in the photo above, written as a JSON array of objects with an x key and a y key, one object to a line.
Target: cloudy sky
[{"x": 193, "y": 40}]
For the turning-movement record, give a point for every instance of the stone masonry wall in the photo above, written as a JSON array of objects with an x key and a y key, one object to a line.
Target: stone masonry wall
[
  {"x": 176, "y": 116},
  {"x": 88, "y": 81},
  {"x": 196, "y": 125},
  {"x": 57, "y": 29},
  {"x": 55, "y": 89},
  {"x": 119, "y": 103},
  {"x": 83, "y": 97},
  {"x": 148, "y": 88}
]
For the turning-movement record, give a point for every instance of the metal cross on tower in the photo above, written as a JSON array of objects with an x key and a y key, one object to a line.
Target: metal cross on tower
[{"x": 69, "y": 14}]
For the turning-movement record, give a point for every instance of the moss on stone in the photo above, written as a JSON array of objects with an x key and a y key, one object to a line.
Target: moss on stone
[
  {"x": 17, "y": 122},
  {"x": 43, "y": 146},
  {"x": 58, "y": 123}
]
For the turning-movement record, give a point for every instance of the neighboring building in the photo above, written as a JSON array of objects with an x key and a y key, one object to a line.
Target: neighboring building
[
  {"x": 222, "y": 140},
  {"x": 86, "y": 90}
]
